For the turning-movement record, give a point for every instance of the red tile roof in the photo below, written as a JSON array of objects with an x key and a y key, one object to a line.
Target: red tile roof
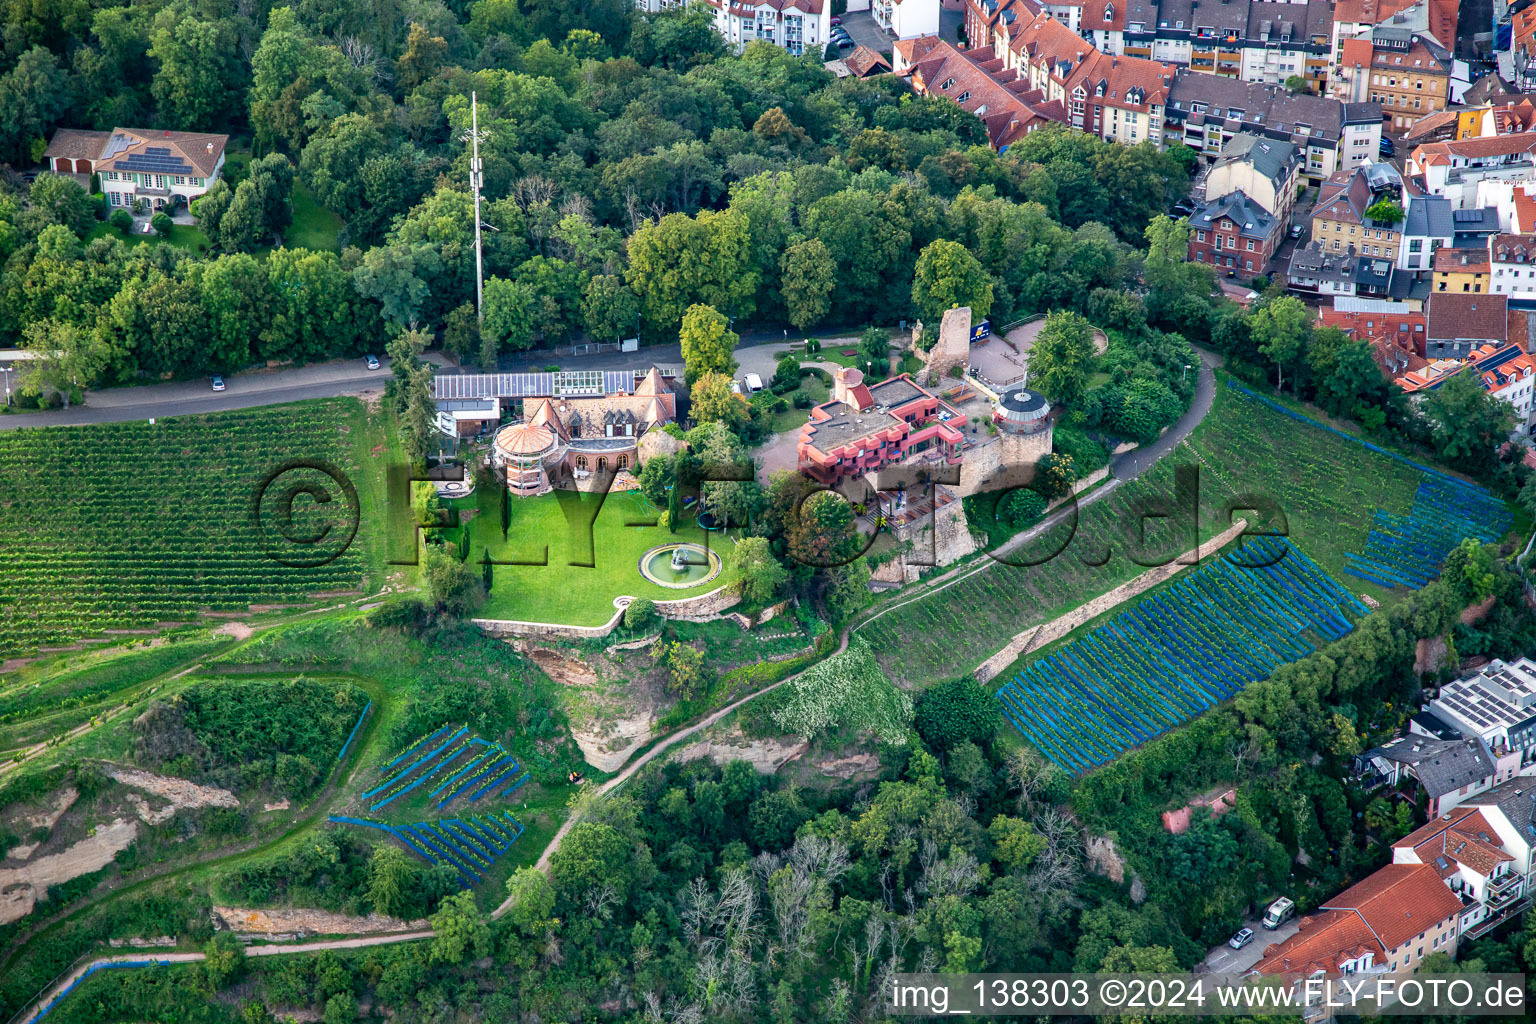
[
  {"x": 1462, "y": 837},
  {"x": 1368, "y": 12},
  {"x": 1488, "y": 145},
  {"x": 1398, "y": 902},
  {"x": 1006, "y": 103},
  {"x": 1355, "y": 53},
  {"x": 1461, "y": 315},
  {"x": 1322, "y": 942},
  {"x": 864, "y": 62}
]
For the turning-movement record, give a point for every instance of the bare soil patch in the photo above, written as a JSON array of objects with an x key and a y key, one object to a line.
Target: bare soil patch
[
  {"x": 765, "y": 755},
  {"x": 20, "y": 886},
  {"x": 301, "y": 921}
]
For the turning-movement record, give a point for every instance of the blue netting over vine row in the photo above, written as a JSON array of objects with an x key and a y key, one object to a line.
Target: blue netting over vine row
[
  {"x": 1408, "y": 550},
  {"x": 1175, "y": 654}
]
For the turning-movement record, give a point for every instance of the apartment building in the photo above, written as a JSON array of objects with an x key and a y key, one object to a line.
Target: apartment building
[
  {"x": 1465, "y": 848},
  {"x": 1266, "y": 170},
  {"x": 1386, "y": 923},
  {"x": 1449, "y": 771},
  {"x": 799, "y": 26},
  {"x": 906, "y": 19},
  {"x": 1119, "y": 99},
  {"x": 1428, "y": 225},
  {"x": 1339, "y": 220},
  {"x": 1234, "y": 234},
  {"x": 1250, "y": 40},
  {"x": 1206, "y": 112},
  {"x": 1512, "y": 265},
  {"x": 1456, "y": 169},
  {"x": 1497, "y": 703},
  {"x": 979, "y": 82},
  {"x": 1410, "y": 76}
]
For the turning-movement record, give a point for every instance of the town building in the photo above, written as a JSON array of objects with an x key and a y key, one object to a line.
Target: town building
[
  {"x": 1206, "y": 112},
  {"x": 906, "y": 19},
  {"x": 1265, "y": 170},
  {"x": 1512, "y": 263},
  {"x": 1448, "y": 771},
  {"x": 1315, "y": 270},
  {"x": 1428, "y": 225},
  {"x": 151, "y": 169},
  {"x": 1249, "y": 40},
  {"x": 1460, "y": 270},
  {"x": 1339, "y": 218},
  {"x": 1408, "y": 73},
  {"x": 1386, "y": 923},
  {"x": 865, "y": 428},
  {"x": 1235, "y": 234},
  {"x": 1120, "y": 99},
  {"x": 1455, "y": 169},
  {"x": 1504, "y": 369},
  {"x": 799, "y": 26},
  {"x": 1495, "y": 704},
  {"x": 1394, "y": 331},
  {"x": 979, "y": 82},
  {"x": 1467, "y": 851}
]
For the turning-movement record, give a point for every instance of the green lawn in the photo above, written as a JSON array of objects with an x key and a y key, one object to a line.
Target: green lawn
[
  {"x": 313, "y": 227},
  {"x": 577, "y": 594},
  {"x": 793, "y": 418},
  {"x": 187, "y": 236}
]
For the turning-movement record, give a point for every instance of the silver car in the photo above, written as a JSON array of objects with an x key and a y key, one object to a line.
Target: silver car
[{"x": 1241, "y": 939}]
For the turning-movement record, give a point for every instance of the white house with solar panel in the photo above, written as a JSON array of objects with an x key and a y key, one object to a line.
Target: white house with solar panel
[
  {"x": 156, "y": 168},
  {"x": 573, "y": 430}
]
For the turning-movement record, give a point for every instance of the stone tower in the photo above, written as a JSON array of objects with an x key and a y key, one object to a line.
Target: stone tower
[{"x": 953, "y": 346}]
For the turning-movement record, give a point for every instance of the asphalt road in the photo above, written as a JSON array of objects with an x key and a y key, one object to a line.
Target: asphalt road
[
  {"x": 184, "y": 398},
  {"x": 1137, "y": 461}
]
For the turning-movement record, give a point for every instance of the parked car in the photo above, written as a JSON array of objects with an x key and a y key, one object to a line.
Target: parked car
[
  {"x": 838, "y": 36},
  {"x": 1296, "y": 230},
  {"x": 371, "y": 361},
  {"x": 1387, "y": 147},
  {"x": 837, "y": 19},
  {"x": 1241, "y": 939},
  {"x": 845, "y": 44},
  {"x": 753, "y": 382},
  {"x": 217, "y": 382}
]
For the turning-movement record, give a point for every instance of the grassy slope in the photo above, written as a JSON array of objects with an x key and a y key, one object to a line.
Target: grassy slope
[{"x": 1328, "y": 488}]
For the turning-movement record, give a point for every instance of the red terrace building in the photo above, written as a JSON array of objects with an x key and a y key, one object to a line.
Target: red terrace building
[
  {"x": 1235, "y": 235},
  {"x": 868, "y": 427}
]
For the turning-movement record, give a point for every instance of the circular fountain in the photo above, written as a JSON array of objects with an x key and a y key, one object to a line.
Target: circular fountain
[{"x": 680, "y": 566}]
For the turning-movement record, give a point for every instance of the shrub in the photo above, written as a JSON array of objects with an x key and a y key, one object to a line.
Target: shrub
[
  {"x": 956, "y": 711},
  {"x": 802, "y": 399},
  {"x": 1021, "y": 507},
  {"x": 641, "y": 616},
  {"x": 122, "y": 220},
  {"x": 1086, "y": 453},
  {"x": 162, "y": 223},
  {"x": 404, "y": 615}
]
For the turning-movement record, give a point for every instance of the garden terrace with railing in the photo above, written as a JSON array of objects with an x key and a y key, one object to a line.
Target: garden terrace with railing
[
  {"x": 1409, "y": 550},
  {"x": 1177, "y": 652},
  {"x": 470, "y": 846},
  {"x": 90, "y": 545},
  {"x": 447, "y": 765}
]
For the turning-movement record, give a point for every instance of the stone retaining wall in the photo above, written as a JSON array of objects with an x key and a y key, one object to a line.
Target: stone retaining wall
[
  {"x": 1038, "y": 636},
  {"x": 689, "y": 609}
]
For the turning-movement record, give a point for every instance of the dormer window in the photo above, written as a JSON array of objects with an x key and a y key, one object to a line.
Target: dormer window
[
  {"x": 963, "y": 96},
  {"x": 947, "y": 83},
  {"x": 1109, "y": 12}
]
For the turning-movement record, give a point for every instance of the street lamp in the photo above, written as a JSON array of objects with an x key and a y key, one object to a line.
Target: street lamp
[{"x": 1185, "y": 375}]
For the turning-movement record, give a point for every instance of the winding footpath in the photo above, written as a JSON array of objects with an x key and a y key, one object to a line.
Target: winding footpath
[{"x": 1123, "y": 469}]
